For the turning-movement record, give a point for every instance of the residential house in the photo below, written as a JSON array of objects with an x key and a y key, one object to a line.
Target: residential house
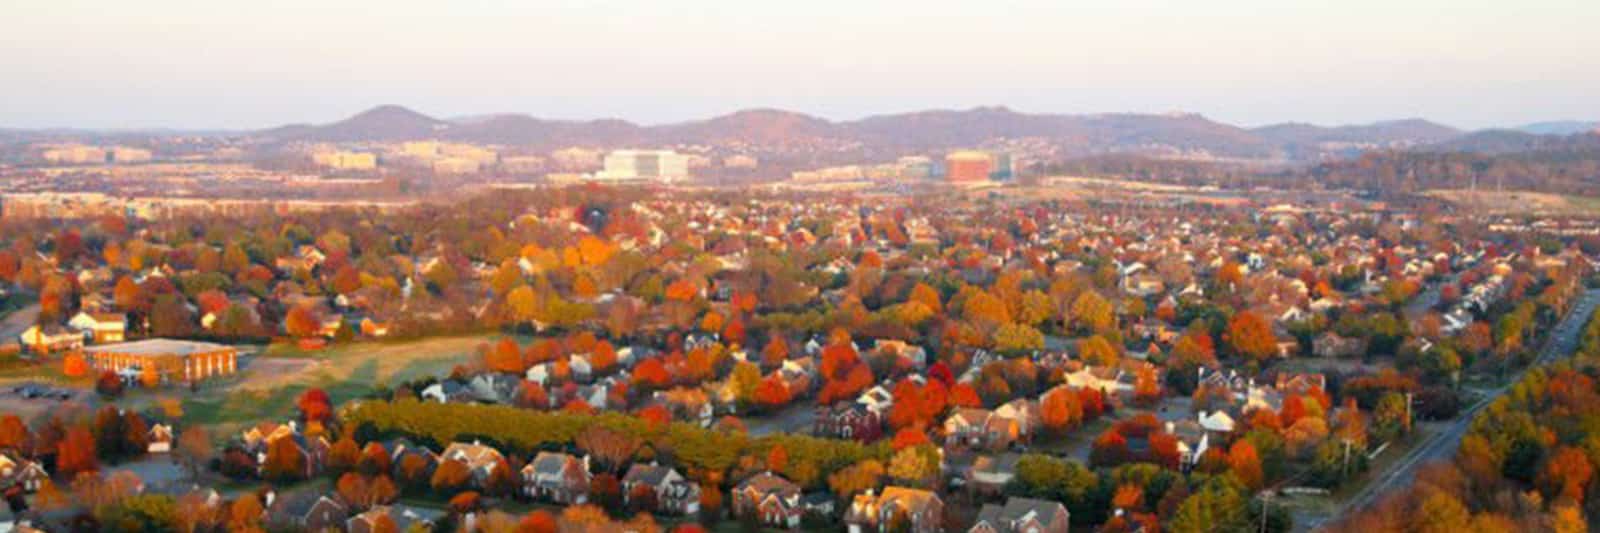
[
  {"x": 539, "y": 373},
  {"x": 101, "y": 328},
  {"x": 1457, "y": 321},
  {"x": 1262, "y": 397},
  {"x": 878, "y": 398},
  {"x": 493, "y": 387},
  {"x": 818, "y": 504},
  {"x": 1143, "y": 284},
  {"x": 329, "y": 327},
  {"x": 305, "y": 511},
  {"x": 1219, "y": 422},
  {"x": 403, "y": 519},
  {"x": 982, "y": 428},
  {"x": 159, "y": 438},
  {"x": 50, "y": 338},
  {"x": 798, "y": 374},
  {"x": 260, "y": 435},
  {"x": 989, "y": 474},
  {"x": 675, "y": 494},
  {"x": 1194, "y": 440},
  {"x": 896, "y": 509},
  {"x": 1301, "y": 382},
  {"x": 479, "y": 458},
  {"x": 1022, "y": 515},
  {"x": 557, "y": 477},
  {"x": 1026, "y": 414},
  {"x": 19, "y": 472},
  {"x": 1108, "y": 380},
  {"x": 848, "y": 420},
  {"x": 1330, "y": 344},
  {"x": 399, "y": 449},
  {"x": 966, "y": 426},
  {"x": 1229, "y": 380},
  {"x": 770, "y": 499},
  {"x": 373, "y": 328},
  {"x": 447, "y": 391},
  {"x": 915, "y": 355}
]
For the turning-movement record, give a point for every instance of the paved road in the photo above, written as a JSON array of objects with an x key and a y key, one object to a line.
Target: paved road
[
  {"x": 1563, "y": 341},
  {"x": 19, "y": 320}
]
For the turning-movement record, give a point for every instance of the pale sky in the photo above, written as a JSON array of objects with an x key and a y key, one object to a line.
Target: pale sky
[{"x": 231, "y": 64}]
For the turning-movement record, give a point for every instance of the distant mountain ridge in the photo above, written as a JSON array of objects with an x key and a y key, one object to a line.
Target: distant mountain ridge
[
  {"x": 1507, "y": 141},
  {"x": 772, "y": 127},
  {"x": 1406, "y": 130},
  {"x": 382, "y": 123},
  {"x": 1174, "y": 134},
  {"x": 1560, "y": 127}
]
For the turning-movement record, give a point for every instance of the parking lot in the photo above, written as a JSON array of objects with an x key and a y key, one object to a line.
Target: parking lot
[{"x": 28, "y": 400}]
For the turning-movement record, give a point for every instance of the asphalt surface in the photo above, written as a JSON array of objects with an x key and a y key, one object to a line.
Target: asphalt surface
[
  {"x": 17, "y": 322},
  {"x": 1563, "y": 341}
]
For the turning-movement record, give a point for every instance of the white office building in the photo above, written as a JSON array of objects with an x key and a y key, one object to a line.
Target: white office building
[{"x": 660, "y": 165}]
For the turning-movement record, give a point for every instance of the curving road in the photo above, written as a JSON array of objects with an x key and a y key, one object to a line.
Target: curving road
[{"x": 1563, "y": 341}]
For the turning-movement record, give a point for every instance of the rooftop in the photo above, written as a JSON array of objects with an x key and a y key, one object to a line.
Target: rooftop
[{"x": 157, "y": 347}]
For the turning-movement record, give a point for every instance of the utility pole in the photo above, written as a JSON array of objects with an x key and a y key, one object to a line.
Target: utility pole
[
  {"x": 1408, "y": 412},
  {"x": 1266, "y": 499},
  {"x": 1344, "y": 469}
]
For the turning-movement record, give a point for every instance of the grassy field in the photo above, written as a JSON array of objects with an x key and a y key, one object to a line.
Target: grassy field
[
  {"x": 1519, "y": 202},
  {"x": 46, "y": 370},
  {"x": 268, "y": 386}
]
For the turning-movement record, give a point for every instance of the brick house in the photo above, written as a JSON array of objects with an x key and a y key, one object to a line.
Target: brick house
[
  {"x": 1022, "y": 515},
  {"x": 848, "y": 420},
  {"x": 772, "y": 500}
]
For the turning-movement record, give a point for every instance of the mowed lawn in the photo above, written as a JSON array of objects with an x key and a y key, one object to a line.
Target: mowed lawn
[{"x": 269, "y": 385}]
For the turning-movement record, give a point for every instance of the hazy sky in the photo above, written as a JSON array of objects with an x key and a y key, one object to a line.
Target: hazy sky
[{"x": 228, "y": 64}]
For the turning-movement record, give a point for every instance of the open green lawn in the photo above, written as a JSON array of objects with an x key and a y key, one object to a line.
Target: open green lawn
[
  {"x": 47, "y": 370},
  {"x": 269, "y": 385}
]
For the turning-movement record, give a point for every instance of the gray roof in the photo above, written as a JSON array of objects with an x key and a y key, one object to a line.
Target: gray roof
[
  {"x": 1017, "y": 509},
  {"x": 551, "y": 462},
  {"x": 648, "y": 474},
  {"x": 158, "y": 347}
]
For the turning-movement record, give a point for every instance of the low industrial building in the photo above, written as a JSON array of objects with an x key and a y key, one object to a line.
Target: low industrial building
[{"x": 174, "y": 360}]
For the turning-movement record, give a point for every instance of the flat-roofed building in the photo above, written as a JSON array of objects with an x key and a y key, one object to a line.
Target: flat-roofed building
[
  {"x": 173, "y": 359},
  {"x": 968, "y": 165},
  {"x": 1005, "y": 165},
  {"x": 660, "y": 165},
  {"x": 127, "y": 154},
  {"x": 75, "y": 154}
]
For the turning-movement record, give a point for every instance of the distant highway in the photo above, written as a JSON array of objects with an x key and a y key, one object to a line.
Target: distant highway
[{"x": 1562, "y": 343}]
